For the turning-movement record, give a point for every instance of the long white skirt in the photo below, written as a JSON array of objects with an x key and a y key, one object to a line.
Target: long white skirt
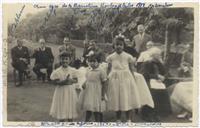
[
  {"x": 64, "y": 103},
  {"x": 143, "y": 89},
  {"x": 181, "y": 97},
  {"x": 122, "y": 91}
]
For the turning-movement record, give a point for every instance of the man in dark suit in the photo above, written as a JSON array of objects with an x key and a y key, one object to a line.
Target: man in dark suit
[
  {"x": 20, "y": 60},
  {"x": 141, "y": 39},
  {"x": 43, "y": 60}
]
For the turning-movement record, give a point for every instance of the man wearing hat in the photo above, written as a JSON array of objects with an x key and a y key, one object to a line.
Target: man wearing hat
[
  {"x": 20, "y": 60},
  {"x": 43, "y": 60}
]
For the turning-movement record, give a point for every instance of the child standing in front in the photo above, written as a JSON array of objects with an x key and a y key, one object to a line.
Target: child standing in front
[
  {"x": 122, "y": 92},
  {"x": 65, "y": 98},
  {"x": 94, "y": 90}
]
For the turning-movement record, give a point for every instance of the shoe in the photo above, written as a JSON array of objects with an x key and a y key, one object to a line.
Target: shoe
[
  {"x": 18, "y": 85},
  {"x": 182, "y": 116}
]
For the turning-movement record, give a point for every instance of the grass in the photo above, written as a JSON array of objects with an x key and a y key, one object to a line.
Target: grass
[{"x": 32, "y": 102}]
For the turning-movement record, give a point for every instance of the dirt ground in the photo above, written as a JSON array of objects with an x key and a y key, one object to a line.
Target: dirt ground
[{"x": 32, "y": 101}]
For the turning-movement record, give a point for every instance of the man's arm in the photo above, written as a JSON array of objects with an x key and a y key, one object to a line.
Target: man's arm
[
  {"x": 34, "y": 53},
  {"x": 27, "y": 55},
  {"x": 13, "y": 55}
]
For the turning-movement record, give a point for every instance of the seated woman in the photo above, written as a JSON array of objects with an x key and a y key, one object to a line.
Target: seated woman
[
  {"x": 153, "y": 71},
  {"x": 181, "y": 99}
]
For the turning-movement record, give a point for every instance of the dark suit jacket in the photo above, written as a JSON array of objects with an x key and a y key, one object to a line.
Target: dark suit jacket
[
  {"x": 71, "y": 50},
  {"x": 151, "y": 69},
  {"x": 99, "y": 54},
  {"x": 17, "y": 53},
  {"x": 43, "y": 57},
  {"x": 140, "y": 43},
  {"x": 131, "y": 51}
]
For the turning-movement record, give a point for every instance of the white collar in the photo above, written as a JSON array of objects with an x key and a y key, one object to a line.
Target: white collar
[
  {"x": 141, "y": 35},
  {"x": 42, "y": 49},
  {"x": 19, "y": 47}
]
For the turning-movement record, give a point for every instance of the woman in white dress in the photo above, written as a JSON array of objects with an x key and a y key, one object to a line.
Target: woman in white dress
[
  {"x": 64, "y": 103},
  {"x": 122, "y": 89}
]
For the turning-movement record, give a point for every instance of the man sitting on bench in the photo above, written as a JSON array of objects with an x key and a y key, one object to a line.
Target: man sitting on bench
[
  {"x": 20, "y": 60},
  {"x": 43, "y": 60}
]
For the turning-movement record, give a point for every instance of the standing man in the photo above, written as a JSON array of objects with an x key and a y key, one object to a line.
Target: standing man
[
  {"x": 43, "y": 59},
  {"x": 69, "y": 48},
  {"x": 141, "y": 39},
  {"x": 20, "y": 60}
]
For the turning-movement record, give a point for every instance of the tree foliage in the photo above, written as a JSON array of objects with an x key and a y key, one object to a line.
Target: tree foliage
[{"x": 103, "y": 23}]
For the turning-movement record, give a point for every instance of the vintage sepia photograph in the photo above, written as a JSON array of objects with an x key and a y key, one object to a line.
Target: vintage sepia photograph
[{"x": 131, "y": 63}]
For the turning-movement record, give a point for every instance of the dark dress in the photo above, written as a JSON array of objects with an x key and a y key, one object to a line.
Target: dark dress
[{"x": 150, "y": 70}]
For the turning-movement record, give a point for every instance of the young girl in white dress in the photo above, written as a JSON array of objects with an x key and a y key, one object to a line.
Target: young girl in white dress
[
  {"x": 64, "y": 103},
  {"x": 94, "y": 91},
  {"x": 122, "y": 92}
]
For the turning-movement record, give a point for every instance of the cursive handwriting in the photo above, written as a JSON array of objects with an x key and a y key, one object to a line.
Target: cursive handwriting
[
  {"x": 17, "y": 17},
  {"x": 121, "y": 5},
  {"x": 159, "y": 5},
  {"x": 52, "y": 11},
  {"x": 39, "y": 6},
  {"x": 106, "y": 5}
]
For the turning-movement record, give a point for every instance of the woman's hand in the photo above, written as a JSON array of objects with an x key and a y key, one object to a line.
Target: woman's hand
[{"x": 67, "y": 81}]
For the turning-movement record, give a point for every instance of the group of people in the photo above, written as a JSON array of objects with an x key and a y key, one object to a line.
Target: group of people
[
  {"x": 131, "y": 80},
  {"x": 21, "y": 59}
]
